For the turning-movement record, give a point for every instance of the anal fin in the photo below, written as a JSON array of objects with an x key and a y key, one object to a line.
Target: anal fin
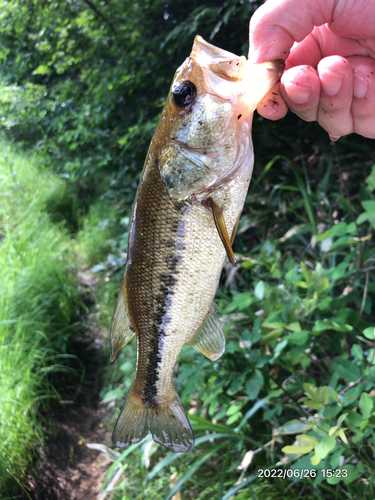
[
  {"x": 222, "y": 229},
  {"x": 121, "y": 330},
  {"x": 210, "y": 339}
]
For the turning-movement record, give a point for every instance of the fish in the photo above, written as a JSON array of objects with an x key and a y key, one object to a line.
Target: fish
[{"x": 184, "y": 220}]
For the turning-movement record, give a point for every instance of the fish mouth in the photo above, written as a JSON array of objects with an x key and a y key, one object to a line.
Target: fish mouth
[{"x": 227, "y": 75}]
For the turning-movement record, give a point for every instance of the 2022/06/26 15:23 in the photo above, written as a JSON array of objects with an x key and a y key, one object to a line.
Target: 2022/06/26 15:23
[{"x": 301, "y": 473}]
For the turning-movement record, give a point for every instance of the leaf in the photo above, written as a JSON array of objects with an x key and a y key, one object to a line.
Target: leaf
[
  {"x": 298, "y": 338},
  {"x": 201, "y": 424},
  {"x": 354, "y": 418},
  {"x": 113, "y": 395},
  {"x": 327, "y": 324},
  {"x": 271, "y": 336},
  {"x": 369, "y": 205},
  {"x": 306, "y": 440},
  {"x": 369, "y": 214},
  {"x": 234, "y": 418},
  {"x": 278, "y": 350},
  {"x": 347, "y": 370},
  {"x": 320, "y": 280},
  {"x": 259, "y": 290},
  {"x": 259, "y": 404},
  {"x": 312, "y": 391},
  {"x": 240, "y": 301},
  {"x": 313, "y": 404},
  {"x": 123, "y": 455},
  {"x": 108, "y": 452},
  {"x": 323, "y": 448},
  {"x": 335, "y": 396},
  {"x": 365, "y": 405},
  {"x": 324, "y": 394},
  {"x": 292, "y": 427},
  {"x": 41, "y": 70},
  {"x": 254, "y": 384},
  {"x": 308, "y": 275},
  {"x": 370, "y": 180},
  {"x": 294, "y": 327},
  {"x": 232, "y": 410},
  {"x": 341, "y": 418},
  {"x": 357, "y": 352},
  {"x": 369, "y": 333},
  {"x": 273, "y": 324},
  {"x": 297, "y": 449},
  {"x": 301, "y": 284}
]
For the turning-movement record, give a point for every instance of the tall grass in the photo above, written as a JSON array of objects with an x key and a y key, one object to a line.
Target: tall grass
[{"x": 38, "y": 305}]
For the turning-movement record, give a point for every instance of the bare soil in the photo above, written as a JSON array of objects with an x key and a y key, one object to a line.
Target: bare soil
[{"x": 65, "y": 468}]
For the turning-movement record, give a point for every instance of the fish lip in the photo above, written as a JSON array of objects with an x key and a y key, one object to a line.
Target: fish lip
[{"x": 206, "y": 51}]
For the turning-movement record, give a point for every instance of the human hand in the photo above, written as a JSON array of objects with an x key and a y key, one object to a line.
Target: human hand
[{"x": 330, "y": 68}]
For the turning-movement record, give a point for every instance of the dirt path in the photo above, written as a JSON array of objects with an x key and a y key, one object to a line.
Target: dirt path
[{"x": 66, "y": 469}]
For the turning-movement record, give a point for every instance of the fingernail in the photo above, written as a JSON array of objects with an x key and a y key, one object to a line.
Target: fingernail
[
  {"x": 360, "y": 86},
  {"x": 331, "y": 82},
  {"x": 296, "y": 93}
]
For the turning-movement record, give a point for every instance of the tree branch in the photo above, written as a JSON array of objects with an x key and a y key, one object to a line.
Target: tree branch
[{"x": 100, "y": 14}]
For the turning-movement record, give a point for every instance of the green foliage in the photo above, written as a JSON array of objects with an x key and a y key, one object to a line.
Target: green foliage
[
  {"x": 38, "y": 307},
  {"x": 94, "y": 240},
  {"x": 294, "y": 387},
  {"x": 86, "y": 81}
]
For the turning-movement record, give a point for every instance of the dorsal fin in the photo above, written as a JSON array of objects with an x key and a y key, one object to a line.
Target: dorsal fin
[
  {"x": 210, "y": 339},
  {"x": 121, "y": 330},
  {"x": 222, "y": 229}
]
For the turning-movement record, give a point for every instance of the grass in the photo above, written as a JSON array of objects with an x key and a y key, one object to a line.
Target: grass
[
  {"x": 38, "y": 308},
  {"x": 95, "y": 240}
]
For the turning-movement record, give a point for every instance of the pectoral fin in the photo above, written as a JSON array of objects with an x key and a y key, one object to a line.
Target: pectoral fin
[
  {"x": 121, "y": 330},
  {"x": 210, "y": 339},
  {"x": 222, "y": 230}
]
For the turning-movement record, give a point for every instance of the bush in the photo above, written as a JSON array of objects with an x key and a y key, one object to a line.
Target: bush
[{"x": 295, "y": 386}]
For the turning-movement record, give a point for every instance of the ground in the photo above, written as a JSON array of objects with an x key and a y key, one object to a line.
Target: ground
[{"x": 66, "y": 469}]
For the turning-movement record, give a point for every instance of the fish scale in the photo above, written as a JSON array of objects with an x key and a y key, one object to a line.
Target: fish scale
[{"x": 185, "y": 215}]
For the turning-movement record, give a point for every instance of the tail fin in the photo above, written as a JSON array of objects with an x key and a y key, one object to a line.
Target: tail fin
[{"x": 168, "y": 424}]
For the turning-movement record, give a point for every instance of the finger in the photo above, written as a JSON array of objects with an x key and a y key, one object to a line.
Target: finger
[
  {"x": 300, "y": 89},
  {"x": 334, "y": 113},
  {"x": 272, "y": 106},
  {"x": 323, "y": 43},
  {"x": 276, "y": 25},
  {"x": 363, "y": 105}
]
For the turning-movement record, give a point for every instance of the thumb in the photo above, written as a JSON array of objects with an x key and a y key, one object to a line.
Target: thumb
[{"x": 277, "y": 24}]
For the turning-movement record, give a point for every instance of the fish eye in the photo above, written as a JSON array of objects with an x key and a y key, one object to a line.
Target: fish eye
[{"x": 184, "y": 94}]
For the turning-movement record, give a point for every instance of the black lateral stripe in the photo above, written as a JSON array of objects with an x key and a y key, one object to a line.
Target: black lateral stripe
[{"x": 160, "y": 317}]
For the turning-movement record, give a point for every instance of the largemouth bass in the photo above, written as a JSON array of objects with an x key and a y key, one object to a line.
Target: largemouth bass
[{"x": 189, "y": 200}]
